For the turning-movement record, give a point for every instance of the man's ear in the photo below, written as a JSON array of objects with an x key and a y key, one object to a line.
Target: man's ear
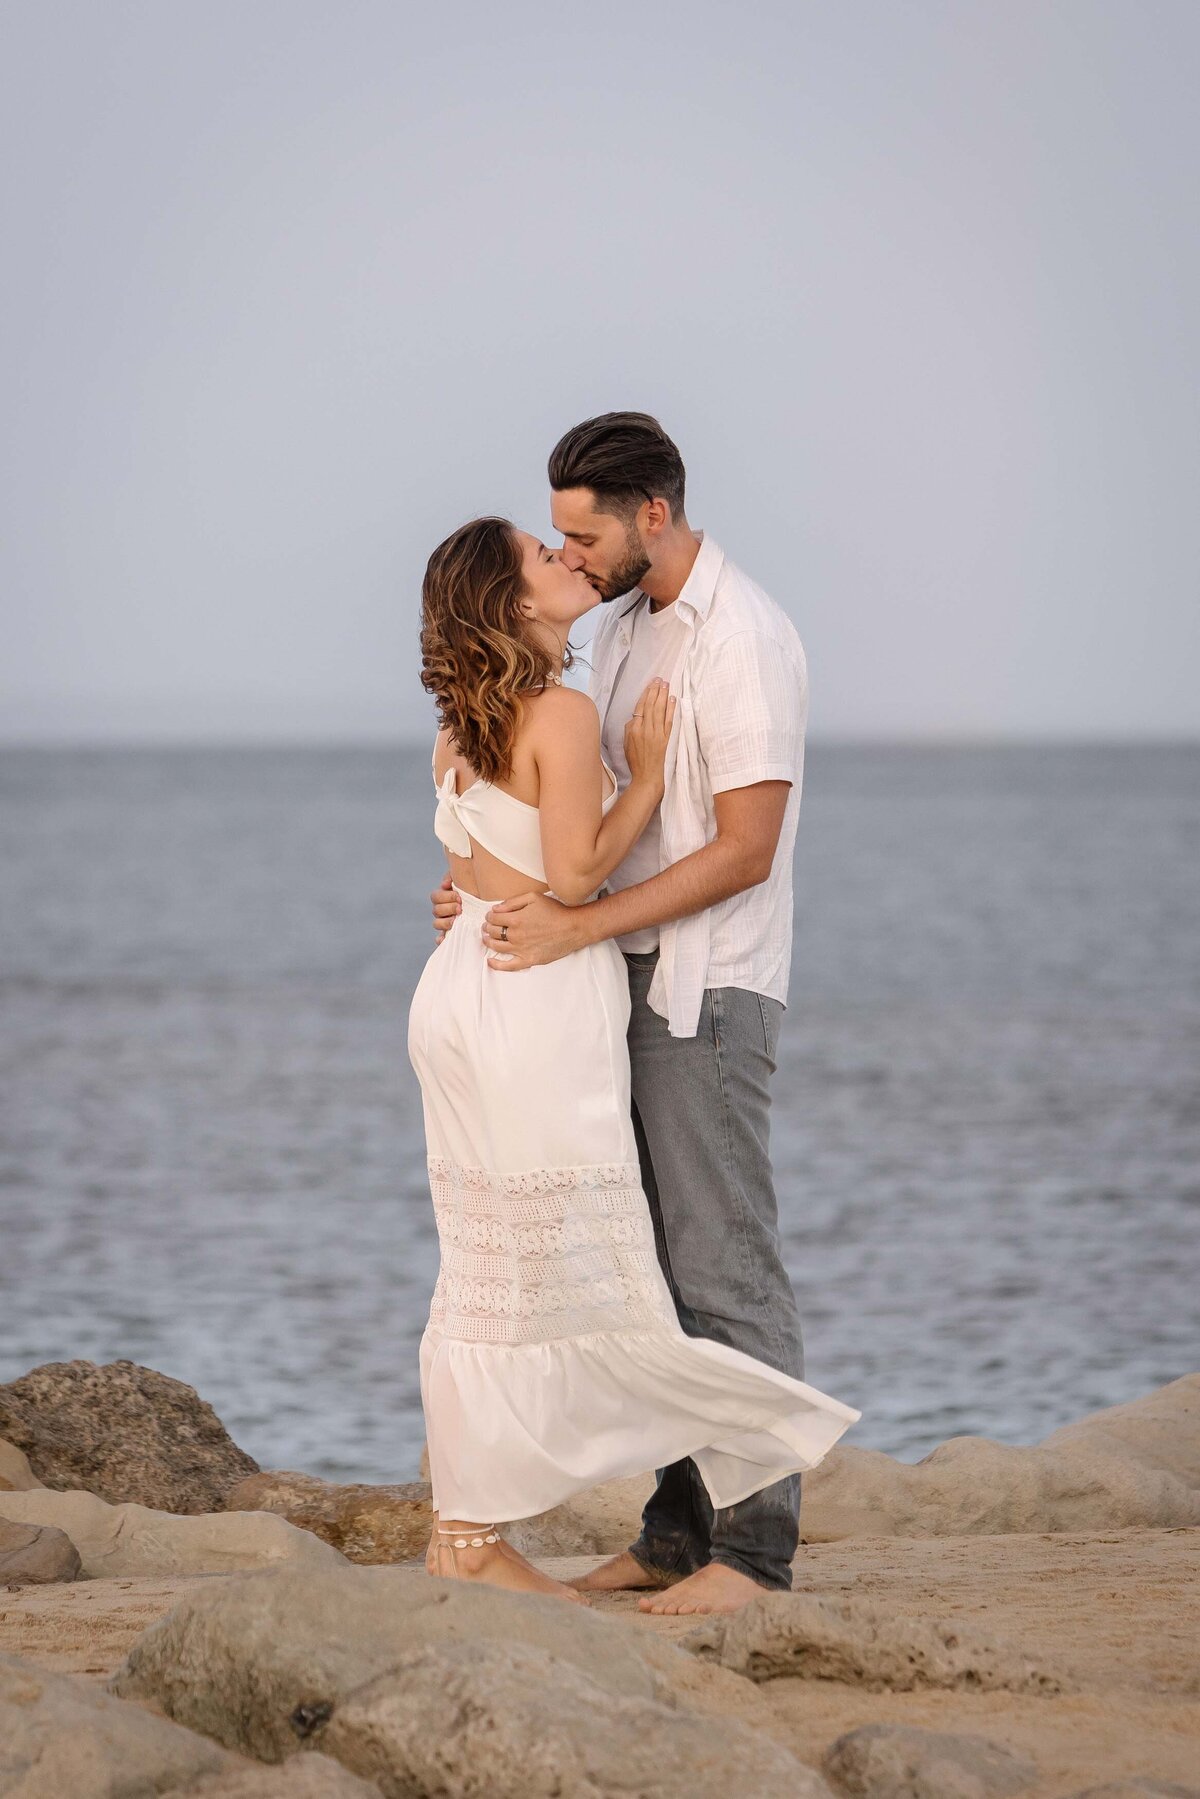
[{"x": 656, "y": 514}]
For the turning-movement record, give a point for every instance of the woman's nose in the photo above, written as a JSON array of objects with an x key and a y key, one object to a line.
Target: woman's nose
[{"x": 571, "y": 556}]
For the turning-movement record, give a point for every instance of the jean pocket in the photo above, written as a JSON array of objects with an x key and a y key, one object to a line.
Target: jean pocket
[{"x": 771, "y": 1011}]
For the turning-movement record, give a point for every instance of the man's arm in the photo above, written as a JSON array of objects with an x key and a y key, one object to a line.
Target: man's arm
[{"x": 541, "y": 929}]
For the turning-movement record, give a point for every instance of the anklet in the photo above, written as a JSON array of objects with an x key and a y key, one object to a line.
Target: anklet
[{"x": 460, "y": 1542}]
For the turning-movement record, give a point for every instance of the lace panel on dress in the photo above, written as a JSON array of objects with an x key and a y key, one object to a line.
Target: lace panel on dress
[{"x": 546, "y": 1253}]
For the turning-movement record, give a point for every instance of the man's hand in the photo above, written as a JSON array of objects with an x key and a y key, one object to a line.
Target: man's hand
[
  {"x": 446, "y": 907},
  {"x": 530, "y": 930}
]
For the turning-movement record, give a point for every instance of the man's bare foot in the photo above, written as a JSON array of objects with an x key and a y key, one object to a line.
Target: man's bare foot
[
  {"x": 713, "y": 1588},
  {"x": 621, "y": 1574},
  {"x": 497, "y": 1565}
]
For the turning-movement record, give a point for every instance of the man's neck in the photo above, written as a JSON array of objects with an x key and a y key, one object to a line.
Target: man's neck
[{"x": 673, "y": 562}]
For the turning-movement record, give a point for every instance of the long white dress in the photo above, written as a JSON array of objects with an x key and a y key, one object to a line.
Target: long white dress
[{"x": 553, "y": 1357}]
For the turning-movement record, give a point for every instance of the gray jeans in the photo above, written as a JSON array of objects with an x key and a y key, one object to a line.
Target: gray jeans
[{"x": 701, "y": 1115}]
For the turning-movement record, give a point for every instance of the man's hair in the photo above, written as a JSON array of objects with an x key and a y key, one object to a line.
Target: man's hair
[{"x": 625, "y": 458}]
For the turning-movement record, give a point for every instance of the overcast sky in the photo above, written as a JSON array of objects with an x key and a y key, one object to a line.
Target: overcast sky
[{"x": 293, "y": 288}]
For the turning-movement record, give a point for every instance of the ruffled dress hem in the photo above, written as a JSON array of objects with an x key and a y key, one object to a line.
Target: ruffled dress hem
[{"x": 511, "y": 1444}]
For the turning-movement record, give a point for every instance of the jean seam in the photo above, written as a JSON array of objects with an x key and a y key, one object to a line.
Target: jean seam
[
  {"x": 730, "y": 1163},
  {"x": 736, "y": 1185}
]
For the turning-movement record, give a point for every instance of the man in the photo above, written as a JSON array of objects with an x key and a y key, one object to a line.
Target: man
[{"x": 702, "y": 908}]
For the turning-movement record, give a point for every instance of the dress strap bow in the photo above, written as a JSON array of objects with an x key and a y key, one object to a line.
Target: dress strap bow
[{"x": 448, "y": 826}]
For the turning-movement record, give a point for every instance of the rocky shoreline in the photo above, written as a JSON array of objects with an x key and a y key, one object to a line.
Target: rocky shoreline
[{"x": 991, "y": 1621}]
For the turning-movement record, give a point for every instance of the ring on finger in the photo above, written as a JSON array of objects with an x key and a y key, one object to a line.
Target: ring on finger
[{"x": 504, "y": 933}]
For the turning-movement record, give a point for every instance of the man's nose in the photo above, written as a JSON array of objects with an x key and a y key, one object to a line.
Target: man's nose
[{"x": 571, "y": 555}]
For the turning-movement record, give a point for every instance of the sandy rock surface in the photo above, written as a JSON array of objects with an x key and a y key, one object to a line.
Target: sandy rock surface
[
  {"x": 517, "y": 1722},
  {"x": 235, "y": 1659},
  {"x": 305, "y": 1777},
  {"x": 896, "y": 1761},
  {"x": 1071, "y": 1652},
  {"x": 1132, "y": 1465},
  {"x": 115, "y": 1540},
  {"x": 1161, "y": 1430},
  {"x": 16, "y": 1476},
  {"x": 1122, "y": 1609},
  {"x": 35, "y": 1553},
  {"x": 1139, "y": 1789},
  {"x": 368, "y": 1524},
  {"x": 863, "y": 1643},
  {"x": 124, "y": 1433},
  {"x": 63, "y": 1738},
  {"x": 60, "y": 1736},
  {"x": 600, "y": 1522}
]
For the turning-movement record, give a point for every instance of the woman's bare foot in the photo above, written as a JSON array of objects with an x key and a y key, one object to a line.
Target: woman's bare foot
[
  {"x": 713, "y": 1588},
  {"x": 431, "y": 1552},
  {"x": 623, "y": 1573},
  {"x": 495, "y": 1565}
]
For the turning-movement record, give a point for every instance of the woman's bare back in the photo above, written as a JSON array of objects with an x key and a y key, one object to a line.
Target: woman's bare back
[{"x": 482, "y": 873}]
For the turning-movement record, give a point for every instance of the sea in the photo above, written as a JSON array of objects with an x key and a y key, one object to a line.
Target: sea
[{"x": 986, "y": 1127}]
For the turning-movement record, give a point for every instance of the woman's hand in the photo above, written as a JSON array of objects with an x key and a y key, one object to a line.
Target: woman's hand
[{"x": 647, "y": 733}]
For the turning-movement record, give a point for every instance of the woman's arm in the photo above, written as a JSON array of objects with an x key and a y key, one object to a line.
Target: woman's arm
[{"x": 581, "y": 845}]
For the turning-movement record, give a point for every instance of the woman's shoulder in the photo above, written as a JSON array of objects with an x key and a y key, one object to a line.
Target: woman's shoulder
[
  {"x": 563, "y": 709},
  {"x": 445, "y": 755}
]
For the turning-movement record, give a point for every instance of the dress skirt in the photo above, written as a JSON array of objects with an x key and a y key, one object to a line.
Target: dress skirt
[{"x": 553, "y": 1357}]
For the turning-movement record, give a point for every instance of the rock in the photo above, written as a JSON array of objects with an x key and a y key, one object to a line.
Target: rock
[
  {"x": 369, "y": 1524},
  {"x": 62, "y": 1737},
  {"x": 304, "y": 1777},
  {"x": 516, "y": 1722},
  {"x": 602, "y": 1521},
  {"x": 33, "y": 1554},
  {"x": 864, "y": 1644},
  {"x": 119, "y": 1540},
  {"x": 1162, "y": 1431},
  {"x": 1139, "y": 1786},
  {"x": 124, "y": 1433},
  {"x": 1132, "y": 1465},
  {"x": 235, "y": 1659},
  {"x": 899, "y": 1761},
  {"x": 16, "y": 1476}
]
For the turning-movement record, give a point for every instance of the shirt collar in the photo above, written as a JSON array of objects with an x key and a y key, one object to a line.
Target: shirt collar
[{"x": 697, "y": 592}]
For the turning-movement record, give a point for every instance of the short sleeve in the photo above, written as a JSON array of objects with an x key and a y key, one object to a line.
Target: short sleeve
[{"x": 751, "y": 711}]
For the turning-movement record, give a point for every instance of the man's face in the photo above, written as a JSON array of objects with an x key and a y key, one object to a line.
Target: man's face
[{"x": 608, "y": 550}]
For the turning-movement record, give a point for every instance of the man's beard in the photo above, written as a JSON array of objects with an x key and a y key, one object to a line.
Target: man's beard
[{"x": 625, "y": 577}]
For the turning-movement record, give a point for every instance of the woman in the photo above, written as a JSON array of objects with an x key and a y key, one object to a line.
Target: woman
[{"x": 553, "y": 1357}]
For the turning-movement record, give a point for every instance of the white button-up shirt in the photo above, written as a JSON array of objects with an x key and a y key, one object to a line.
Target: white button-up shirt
[{"x": 742, "y": 693}]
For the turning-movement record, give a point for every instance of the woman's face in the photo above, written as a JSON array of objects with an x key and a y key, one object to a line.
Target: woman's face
[{"x": 555, "y": 595}]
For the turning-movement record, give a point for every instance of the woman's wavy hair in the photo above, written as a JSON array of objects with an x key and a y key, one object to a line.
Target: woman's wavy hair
[{"x": 477, "y": 658}]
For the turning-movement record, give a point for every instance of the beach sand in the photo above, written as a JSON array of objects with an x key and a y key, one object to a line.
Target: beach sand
[{"x": 1119, "y": 1609}]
